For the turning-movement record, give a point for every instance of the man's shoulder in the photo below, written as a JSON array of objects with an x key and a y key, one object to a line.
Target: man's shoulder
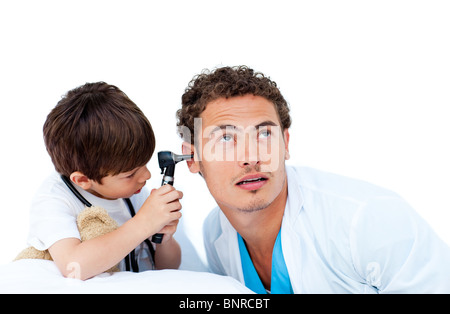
[
  {"x": 213, "y": 214},
  {"x": 211, "y": 225},
  {"x": 335, "y": 185}
]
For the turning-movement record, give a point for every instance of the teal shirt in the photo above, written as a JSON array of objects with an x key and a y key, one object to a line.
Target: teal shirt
[{"x": 280, "y": 282}]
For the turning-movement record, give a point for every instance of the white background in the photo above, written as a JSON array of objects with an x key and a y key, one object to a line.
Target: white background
[{"x": 368, "y": 84}]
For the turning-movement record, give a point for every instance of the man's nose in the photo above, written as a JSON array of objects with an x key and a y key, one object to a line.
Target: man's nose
[
  {"x": 249, "y": 154},
  {"x": 247, "y": 163}
]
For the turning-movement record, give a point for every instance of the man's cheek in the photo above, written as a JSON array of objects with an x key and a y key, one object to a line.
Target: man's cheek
[{"x": 270, "y": 154}]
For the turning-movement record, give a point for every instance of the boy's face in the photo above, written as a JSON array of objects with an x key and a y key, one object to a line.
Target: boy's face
[{"x": 123, "y": 185}]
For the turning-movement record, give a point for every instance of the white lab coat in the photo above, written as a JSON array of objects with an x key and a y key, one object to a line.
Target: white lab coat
[{"x": 341, "y": 235}]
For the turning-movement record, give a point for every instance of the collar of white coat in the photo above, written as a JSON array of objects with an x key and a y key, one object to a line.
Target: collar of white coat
[{"x": 227, "y": 246}]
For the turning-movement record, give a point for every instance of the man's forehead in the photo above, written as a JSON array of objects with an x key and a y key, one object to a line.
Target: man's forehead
[{"x": 240, "y": 111}]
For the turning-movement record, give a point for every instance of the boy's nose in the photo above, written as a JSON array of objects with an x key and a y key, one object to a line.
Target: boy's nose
[{"x": 146, "y": 174}]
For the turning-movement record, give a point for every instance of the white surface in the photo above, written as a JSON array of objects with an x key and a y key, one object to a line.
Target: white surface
[
  {"x": 39, "y": 276},
  {"x": 367, "y": 82}
]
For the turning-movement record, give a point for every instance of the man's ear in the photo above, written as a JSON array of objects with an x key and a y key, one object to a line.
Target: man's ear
[
  {"x": 286, "y": 144},
  {"x": 81, "y": 180},
  {"x": 188, "y": 149}
]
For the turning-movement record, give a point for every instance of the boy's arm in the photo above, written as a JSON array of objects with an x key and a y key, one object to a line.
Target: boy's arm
[
  {"x": 83, "y": 260},
  {"x": 86, "y": 259},
  {"x": 168, "y": 253}
]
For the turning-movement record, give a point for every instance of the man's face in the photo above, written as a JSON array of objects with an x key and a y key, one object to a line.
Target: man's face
[{"x": 242, "y": 152}]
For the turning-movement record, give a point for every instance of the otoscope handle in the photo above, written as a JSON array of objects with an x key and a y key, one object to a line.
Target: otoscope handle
[{"x": 158, "y": 237}]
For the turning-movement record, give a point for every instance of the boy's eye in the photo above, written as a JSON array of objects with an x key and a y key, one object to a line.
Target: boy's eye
[{"x": 131, "y": 175}]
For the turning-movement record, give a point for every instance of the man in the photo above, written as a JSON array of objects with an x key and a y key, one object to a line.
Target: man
[{"x": 283, "y": 229}]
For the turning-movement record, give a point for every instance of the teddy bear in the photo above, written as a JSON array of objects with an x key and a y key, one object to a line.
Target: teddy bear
[{"x": 92, "y": 222}]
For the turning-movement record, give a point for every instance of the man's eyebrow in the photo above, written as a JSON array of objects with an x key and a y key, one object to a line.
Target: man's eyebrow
[
  {"x": 265, "y": 123},
  {"x": 222, "y": 127},
  {"x": 233, "y": 127}
]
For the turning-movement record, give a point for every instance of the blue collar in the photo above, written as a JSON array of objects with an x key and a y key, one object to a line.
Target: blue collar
[{"x": 280, "y": 282}]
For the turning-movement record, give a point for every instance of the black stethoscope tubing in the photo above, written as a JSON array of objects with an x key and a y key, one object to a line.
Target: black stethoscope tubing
[{"x": 130, "y": 260}]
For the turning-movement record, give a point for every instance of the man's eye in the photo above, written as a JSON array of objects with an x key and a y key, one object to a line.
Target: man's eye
[
  {"x": 264, "y": 134},
  {"x": 226, "y": 138}
]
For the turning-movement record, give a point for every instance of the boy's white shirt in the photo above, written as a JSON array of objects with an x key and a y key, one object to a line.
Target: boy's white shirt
[
  {"x": 54, "y": 211},
  {"x": 341, "y": 235}
]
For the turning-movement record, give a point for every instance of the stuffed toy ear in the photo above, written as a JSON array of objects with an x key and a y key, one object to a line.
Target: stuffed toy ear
[
  {"x": 32, "y": 253},
  {"x": 93, "y": 222}
]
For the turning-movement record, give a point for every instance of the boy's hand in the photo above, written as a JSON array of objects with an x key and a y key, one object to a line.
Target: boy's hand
[
  {"x": 169, "y": 230},
  {"x": 161, "y": 209}
]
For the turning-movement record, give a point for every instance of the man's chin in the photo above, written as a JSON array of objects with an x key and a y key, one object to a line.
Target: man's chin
[{"x": 254, "y": 207}]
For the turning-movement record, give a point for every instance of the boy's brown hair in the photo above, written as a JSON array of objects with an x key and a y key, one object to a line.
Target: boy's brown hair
[
  {"x": 97, "y": 130},
  {"x": 227, "y": 82}
]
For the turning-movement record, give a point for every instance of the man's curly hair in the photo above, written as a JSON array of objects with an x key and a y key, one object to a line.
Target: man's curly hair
[{"x": 227, "y": 82}]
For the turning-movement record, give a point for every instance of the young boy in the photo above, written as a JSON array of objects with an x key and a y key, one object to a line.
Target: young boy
[{"x": 101, "y": 142}]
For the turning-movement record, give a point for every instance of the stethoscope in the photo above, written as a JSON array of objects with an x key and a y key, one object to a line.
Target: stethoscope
[{"x": 130, "y": 260}]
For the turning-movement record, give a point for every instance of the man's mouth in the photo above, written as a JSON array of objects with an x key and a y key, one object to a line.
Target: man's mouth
[{"x": 252, "y": 182}]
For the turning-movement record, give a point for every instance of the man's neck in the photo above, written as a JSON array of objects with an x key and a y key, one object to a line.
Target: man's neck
[{"x": 259, "y": 230}]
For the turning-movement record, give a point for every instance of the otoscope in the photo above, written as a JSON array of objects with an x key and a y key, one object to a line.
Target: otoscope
[{"x": 167, "y": 161}]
